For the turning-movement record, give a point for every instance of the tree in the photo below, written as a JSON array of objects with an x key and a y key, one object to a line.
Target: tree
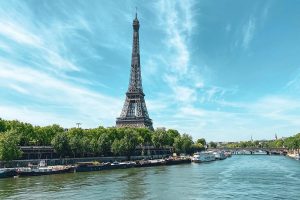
[
  {"x": 177, "y": 144},
  {"x": 187, "y": 143},
  {"x": 44, "y": 135},
  {"x": 60, "y": 143},
  {"x": 213, "y": 145},
  {"x": 9, "y": 146},
  {"x": 130, "y": 141},
  {"x": 172, "y": 134},
  {"x": 127, "y": 144},
  {"x": 145, "y": 136},
  {"x": 183, "y": 144},
  {"x": 197, "y": 147},
  {"x": 117, "y": 147},
  {"x": 201, "y": 141},
  {"x": 24, "y": 130},
  {"x": 160, "y": 138},
  {"x": 2, "y": 125},
  {"x": 104, "y": 143}
]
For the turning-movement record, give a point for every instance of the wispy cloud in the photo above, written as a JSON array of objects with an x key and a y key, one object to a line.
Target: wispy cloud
[
  {"x": 52, "y": 91},
  {"x": 18, "y": 88},
  {"x": 248, "y": 32},
  {"x": 17, "y": 33}
]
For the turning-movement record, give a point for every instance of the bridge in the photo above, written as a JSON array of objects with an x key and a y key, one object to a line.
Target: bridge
[{"x": 251, "y": 149}]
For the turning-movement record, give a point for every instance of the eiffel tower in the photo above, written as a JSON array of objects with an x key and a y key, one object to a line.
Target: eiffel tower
[{"x": 134, "y": 112}]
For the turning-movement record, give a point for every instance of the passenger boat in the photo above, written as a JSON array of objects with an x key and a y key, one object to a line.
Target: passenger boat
[
  {"x": 7, "y": 172},
  {"x": 219, "y": 155},
  {"x": 204, "y": 156}
]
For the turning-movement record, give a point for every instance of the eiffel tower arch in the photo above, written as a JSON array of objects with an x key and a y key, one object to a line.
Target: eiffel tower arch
[{"x": 134, "y": 112}]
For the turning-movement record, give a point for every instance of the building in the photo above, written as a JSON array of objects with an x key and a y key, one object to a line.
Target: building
[{"x": 134, "y": 112}]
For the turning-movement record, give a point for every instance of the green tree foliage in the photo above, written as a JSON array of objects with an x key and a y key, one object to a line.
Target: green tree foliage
[
  {"x": 212, "y": 145},
  {"x": 183, "y": 144},
  {"x": 105, "y": 142},
  {"x": 117, "y": 147},
  {"x": 160, "y": 138},
  {"x": 127, "y": 144},
  {"x": 198, "y": 147},
  {"x": 99, "y": 141},
  {"x": 201, "y": 141},
  {"x": 75, "y": 136},
  {"x": 60, "y": 143},
  {"x": 177, "y": 145},
  {"x": 172, "y": 134},
  {"x": 44, "y": 135},
  {"x": 2, "y": 126},
  {"x": 290, "y": 143},
  {"x": 24, "y": 130},
  {"x": 9, "y": 149}
]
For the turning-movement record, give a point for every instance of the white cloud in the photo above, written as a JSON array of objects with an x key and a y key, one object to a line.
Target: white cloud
[
  {"x": 15, "y": 32},
  {"x": 82, "y": 102},
  {"x": 248, "y": 32},
  {"x": 18, "y": 88}
]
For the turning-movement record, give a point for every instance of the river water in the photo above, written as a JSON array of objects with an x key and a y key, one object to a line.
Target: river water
[{"x": 239, "y": 177}]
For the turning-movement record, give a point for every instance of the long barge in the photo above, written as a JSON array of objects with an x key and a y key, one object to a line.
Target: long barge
[{"x": 41, "y": 170}]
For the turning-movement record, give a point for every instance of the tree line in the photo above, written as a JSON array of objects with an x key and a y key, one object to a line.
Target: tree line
[
  {"x": 290, "y": 143},
  {"x": 100, "y": 141}
]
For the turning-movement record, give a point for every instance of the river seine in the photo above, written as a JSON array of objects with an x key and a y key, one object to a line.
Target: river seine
[{"x": 239, "y": 177}]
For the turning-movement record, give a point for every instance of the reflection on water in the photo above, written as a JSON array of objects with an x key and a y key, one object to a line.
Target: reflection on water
[{"x": 239, "y": 177}]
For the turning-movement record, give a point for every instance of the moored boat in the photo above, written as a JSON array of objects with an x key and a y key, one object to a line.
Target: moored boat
[
  {"x": 219, "y": 155},
  {"x": 91, "y": 166},
  {"x": 7, "y": 172},
  {"x": 122, "y": 165},
  {"x": 176, "y": 161},
  {"x": 42, "y": 169},
  {"x": 228, "y": 154},
  {"x": 259, "y": 152},
  {"x": 204, "y": 156},
  {"x": 150, "y": 163},
  {"x": 243, "y": 152}
]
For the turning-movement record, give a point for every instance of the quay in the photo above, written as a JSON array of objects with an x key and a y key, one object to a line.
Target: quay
[{"x": 42, "y": 169}]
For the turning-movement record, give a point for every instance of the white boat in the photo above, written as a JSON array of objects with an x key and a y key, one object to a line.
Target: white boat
[
  {"x": 204, "y": 156},
  {"x": 243, "y": 152},
  {"x": 259, "y": 152},
  {"x": 219, "y": 155},
  {"x": 228, "y": 154},
  {"x": 297, "y": 156}
]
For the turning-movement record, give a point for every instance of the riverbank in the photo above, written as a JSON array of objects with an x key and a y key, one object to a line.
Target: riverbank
[
  {"x": 295, "y": 156},
  {"x": 43, "y": 169}
]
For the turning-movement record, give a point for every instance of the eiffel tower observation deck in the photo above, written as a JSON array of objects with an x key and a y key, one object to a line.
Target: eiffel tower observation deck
[{"x": 134, "y": 112}]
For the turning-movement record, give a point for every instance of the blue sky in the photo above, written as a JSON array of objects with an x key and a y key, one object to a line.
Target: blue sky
[{"x": 223, "y": 70}]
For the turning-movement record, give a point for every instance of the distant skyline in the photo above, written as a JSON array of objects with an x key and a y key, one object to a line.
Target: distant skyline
[{"x": 222, "y": 70}]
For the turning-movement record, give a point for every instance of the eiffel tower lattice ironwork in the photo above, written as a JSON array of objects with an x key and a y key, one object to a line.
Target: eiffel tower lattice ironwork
[{"x": 134, "y": 112}]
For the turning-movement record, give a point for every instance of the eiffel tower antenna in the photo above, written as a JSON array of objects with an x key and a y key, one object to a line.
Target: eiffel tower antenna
[
  {"x": 134, "y": 112},
  {"x": 136, "y": 12}
]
